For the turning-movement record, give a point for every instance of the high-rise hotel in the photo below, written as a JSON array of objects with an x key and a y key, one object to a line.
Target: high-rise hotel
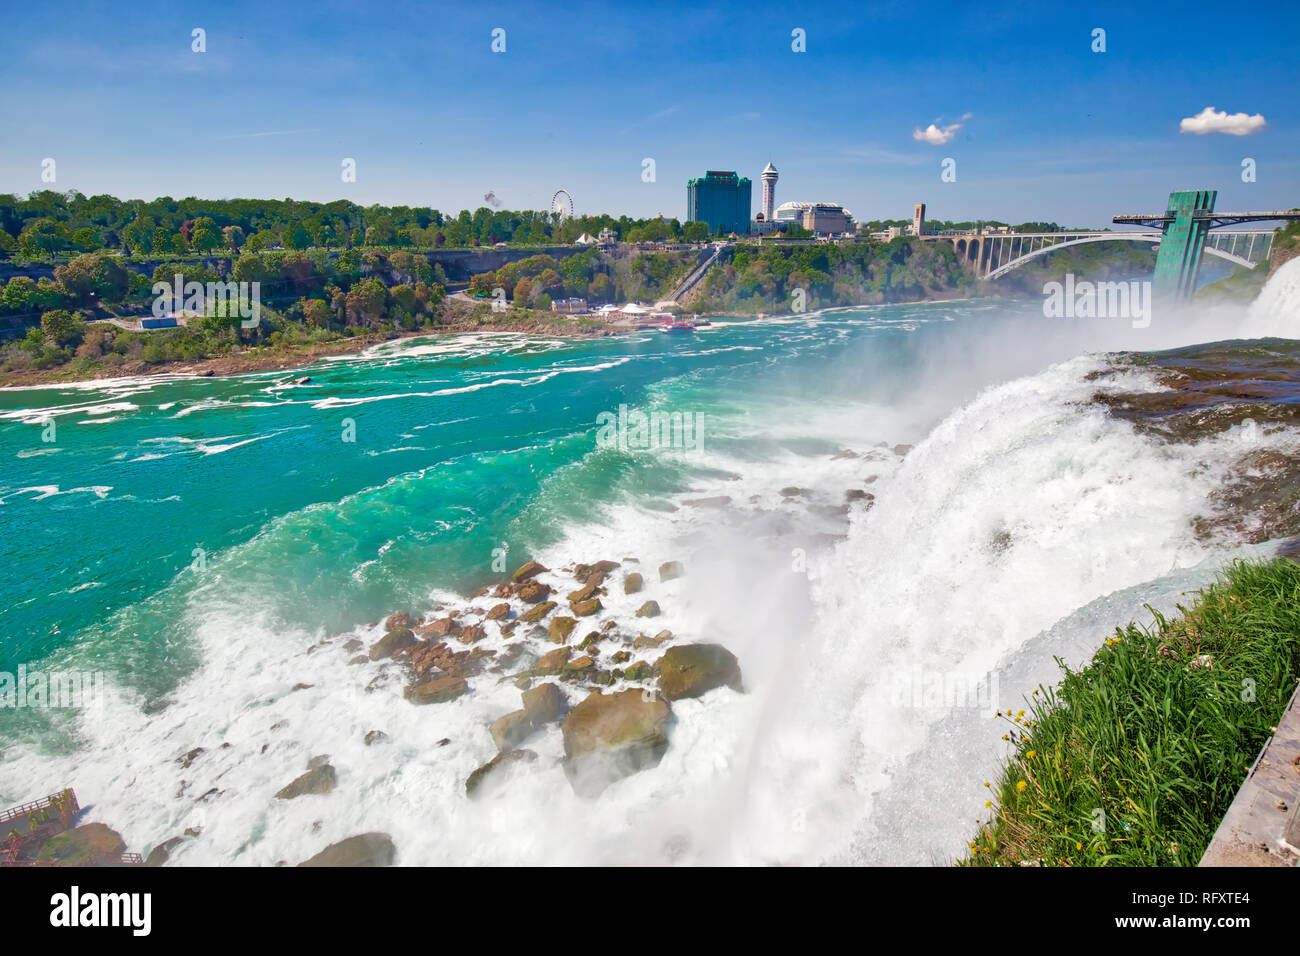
[{"x": 721, "y": 199}]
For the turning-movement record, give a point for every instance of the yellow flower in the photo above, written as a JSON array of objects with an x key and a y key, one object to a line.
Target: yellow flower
[
  {"x": 987, "y": 784},
  {"x": 1079, "y": 845},
  {"x": 1021, "y": 785},
  {"x": 1031, "y": 755},
  {"x": 1021, "y": 714},
  {"x": 988, "y": 804}
]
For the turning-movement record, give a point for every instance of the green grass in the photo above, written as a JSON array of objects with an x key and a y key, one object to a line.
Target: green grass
[{"x": 1133, "y": 760}]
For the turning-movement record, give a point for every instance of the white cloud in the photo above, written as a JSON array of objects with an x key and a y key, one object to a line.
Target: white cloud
[
  {"x": 1210, "y": 120},
  {"x": 934, "y": 135}
]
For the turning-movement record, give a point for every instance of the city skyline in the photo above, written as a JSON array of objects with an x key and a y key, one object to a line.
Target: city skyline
[{"x": 274, "y": 105}]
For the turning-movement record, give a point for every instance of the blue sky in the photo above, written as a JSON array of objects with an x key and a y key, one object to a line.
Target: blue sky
[{"x": 1046, "y": 128}]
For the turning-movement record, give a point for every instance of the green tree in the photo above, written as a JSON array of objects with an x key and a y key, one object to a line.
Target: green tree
[
  {"x": 42, "y": 238},
  {"x": 63, "y": 328},
  {"x": 234, "y": 237}
]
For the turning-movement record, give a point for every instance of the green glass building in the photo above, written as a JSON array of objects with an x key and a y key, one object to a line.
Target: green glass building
[{"x": 722, "y": 199}]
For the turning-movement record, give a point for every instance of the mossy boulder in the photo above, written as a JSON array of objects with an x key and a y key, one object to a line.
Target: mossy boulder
[
  {"x": 364, "y": 849},
  {"x": 560, "y": 629},
  {"x": 526, "y": 571},
  {"x": 587, "y": 608},
  {"x": 440, "y": 690},
  {"x": 91, "y": 844},
  {"x": 393, "y": 642},
  {"x": 690, "y": 670},
  {"x": 535, "y": 614},
  {"x": 549, "y": 665},
  {"x": 610, "y": 736}
]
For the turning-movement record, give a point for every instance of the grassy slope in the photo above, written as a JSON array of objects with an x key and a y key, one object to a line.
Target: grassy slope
[{"x": 1153, "y": 738}]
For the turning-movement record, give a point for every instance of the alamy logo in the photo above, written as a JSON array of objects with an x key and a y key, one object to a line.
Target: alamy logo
[
  {"x": 215, "y": 299},
  {"x": 37, "y": 690},
  {"x": 636, "y": 430},
  {"x": 1098, "y": 300},
  {"x": 74, "y": 909}
]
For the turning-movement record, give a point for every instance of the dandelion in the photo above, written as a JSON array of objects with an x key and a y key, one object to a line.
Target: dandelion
[
  {"x": 988, "y": 804},
  {"x": 1079, "y": 845},
  {"x": 1021, "y": 785},
  {"x": 1031, "y": 754},
  {"x": 987, "y": 784}
]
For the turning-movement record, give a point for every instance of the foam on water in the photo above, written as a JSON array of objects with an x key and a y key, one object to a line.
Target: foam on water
[{"x": 1012, "y": 512}]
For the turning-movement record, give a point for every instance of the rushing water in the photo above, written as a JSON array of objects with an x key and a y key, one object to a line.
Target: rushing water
[{"x": 197, "y": 539}]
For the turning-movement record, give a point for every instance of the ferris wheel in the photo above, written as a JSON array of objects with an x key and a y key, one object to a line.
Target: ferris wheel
[{"x": 562, "y": 204}]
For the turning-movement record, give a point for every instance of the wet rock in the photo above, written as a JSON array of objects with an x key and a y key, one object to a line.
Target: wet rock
[
  {"x": 549, "y": 665},
  {"x": 499, "y": 612},
  {"x": 603, "y": 678},
  {"x": 91, "y": 844},
  {"x": 610, "y": 736},
  {"x": 319, "y": 779},
  {"x": 188, "y": 758},
  {"x": 901, "y": 450},
  {"x": 591, "y": 638},
  {"x": 584, "y": 571},
  {"x": 510, "y": 731},
  {"x": 493, "y": 773},
  {"x": 578, "y": 667},
  {"x": 437, "y": 691},
  {"x": 397, "y": 620},
  {"x": 857, "y": 494},
  {"x": 791, "y": 492},
  {"x": 471, "y": 634},
  {"x": 671, "y": 569},
  {"x": 621, "y": 657},
  {"x": 639, "y": 671},
  {"x": 364, "y": 849},
  {"x": 443, "y": 627},
  {"x": 843, "y": 453},
  {"x": 534, "y": 592},
  {"x": 582, "y": 594},
  {"x": 374, "y": 735},
  {"x": 587, "y": 608},
  {"x": 163, "y": 851},
  {"x": 632, "y": 583},
  {"x": 359, "y": 659},
  {"x": 716, "y": 501},
  {"x": 690, "y": 670},
  {"x": 535, "y": 614},
  {"x": 527, "y": 571},
  {"x": 545, "y": 703},
  {"x": 354, "y": 644},
  {"x": 560, "y": 629},
  {"x": 523, "y": 681},
  {"x": 648, "y": 609},
  {"x": 394, "y": 642}
]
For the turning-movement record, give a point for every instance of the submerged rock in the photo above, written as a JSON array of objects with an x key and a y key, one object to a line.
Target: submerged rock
[
  {"x": 690, "y": 670},
  {"x": 545, "y": 703},
  {"x": 671, "y": 569},
  {"x": 610, "y": 736},
  {"x": 510, "y": 731},
  {"x": 364, "y": 849},
  {"x": 491, "y": 775}
]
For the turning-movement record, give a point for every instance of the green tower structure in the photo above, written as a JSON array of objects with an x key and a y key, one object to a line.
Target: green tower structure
[
  {"x": 1183, "y": 229},
  {"x": 1178, "y": 263}
]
